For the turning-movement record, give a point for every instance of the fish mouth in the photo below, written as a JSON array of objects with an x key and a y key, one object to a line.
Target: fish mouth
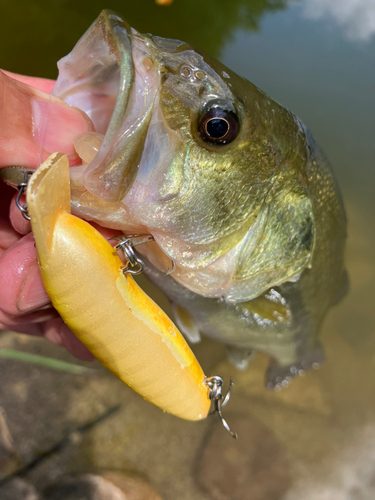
[
  {"x": 113, "y": 74},
  {"x": 113, "y": 77}
]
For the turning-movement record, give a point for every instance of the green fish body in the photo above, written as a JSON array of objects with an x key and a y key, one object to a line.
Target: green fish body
[{"x": 239, "y": 198}]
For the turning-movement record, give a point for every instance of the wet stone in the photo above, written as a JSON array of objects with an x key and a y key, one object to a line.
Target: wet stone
[
  {"x": 254, "y": 466},
  {"x": 106, "y": 486},
  {"x": 18, "y": 489},
  {"x": 10, "y": 461}
]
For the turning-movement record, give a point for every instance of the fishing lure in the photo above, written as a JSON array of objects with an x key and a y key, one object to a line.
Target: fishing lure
[{"x": 105, "y": 308}]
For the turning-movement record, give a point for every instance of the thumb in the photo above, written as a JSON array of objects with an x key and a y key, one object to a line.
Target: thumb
[{"x": 34, "y": 124}]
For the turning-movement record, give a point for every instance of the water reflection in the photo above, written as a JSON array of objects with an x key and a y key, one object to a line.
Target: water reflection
[
  {"x": 46, "y": 31},
  {"x": 356, "y": 17}
]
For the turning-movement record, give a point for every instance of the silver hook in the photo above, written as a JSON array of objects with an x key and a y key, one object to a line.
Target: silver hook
[
  {"x": 134, "y": 264},
  {"x": 21, "y": 189},
  {"x": 215, "y": 385},
  {"x": 132, "y": 240}
]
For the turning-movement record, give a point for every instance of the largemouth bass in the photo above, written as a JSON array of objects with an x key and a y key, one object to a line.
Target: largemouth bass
[{"x": 240, "y": 200}]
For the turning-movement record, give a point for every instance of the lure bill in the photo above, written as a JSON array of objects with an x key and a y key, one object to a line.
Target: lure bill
[{"x": 110, "y": 314}]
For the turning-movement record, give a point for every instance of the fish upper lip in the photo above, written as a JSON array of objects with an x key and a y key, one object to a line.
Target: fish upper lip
[
  {"x": 99, "y": 72},
  {"x": 112, "y": 172}
]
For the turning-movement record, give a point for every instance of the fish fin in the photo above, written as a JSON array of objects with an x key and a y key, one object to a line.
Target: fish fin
[
  {"x": 270, "y": 306},
  {"x": 186, "y": 323},
  {"x": 278, "y": 246},
  {"x": 279, "y": 376},
  {"x": 240, "y": 357}
]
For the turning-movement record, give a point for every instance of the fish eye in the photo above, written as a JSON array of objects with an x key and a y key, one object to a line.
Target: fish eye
[{"x": 218, "y": 123}]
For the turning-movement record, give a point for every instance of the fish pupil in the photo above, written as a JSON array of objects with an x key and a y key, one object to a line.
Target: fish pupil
[
  {"x": 218, "y": 122},
  {"x": 217, "y": 128}
]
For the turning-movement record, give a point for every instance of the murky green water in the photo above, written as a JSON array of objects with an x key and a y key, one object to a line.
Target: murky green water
[{"x": 315, "y": 440}]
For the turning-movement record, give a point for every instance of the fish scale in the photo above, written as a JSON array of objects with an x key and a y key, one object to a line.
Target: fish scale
[{"x": 257, "y": 210}]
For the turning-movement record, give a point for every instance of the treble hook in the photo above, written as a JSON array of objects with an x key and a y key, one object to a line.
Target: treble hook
[
  {"x": 21, "y": 189},
  {"x": 134, "y": 264},
  {"x": 215, "y": 385}
]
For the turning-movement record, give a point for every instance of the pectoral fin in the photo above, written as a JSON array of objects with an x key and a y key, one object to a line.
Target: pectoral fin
[
  {"x": 240, "y": 357},
  {"x": 279, "y": 376},
  {"x": 186, "y": 323},
  {"x": 277, "y": 248}
]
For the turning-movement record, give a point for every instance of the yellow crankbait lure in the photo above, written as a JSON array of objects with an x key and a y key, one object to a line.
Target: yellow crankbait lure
[{"x": 105, "y": 308}]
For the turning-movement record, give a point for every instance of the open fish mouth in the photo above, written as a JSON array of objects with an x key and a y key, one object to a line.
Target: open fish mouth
[
  {"x": 229, "y": 206},
  {"x": 112, "y": 76}
]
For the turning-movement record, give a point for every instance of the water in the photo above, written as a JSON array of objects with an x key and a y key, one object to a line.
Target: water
[{"x": 316, "y": 439}]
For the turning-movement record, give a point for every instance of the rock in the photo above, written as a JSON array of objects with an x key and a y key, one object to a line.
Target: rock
[
  {"x": 106, "y": 486},
  {"x": 10, "y": 461},
  {"x": 18, "y": 489},
  {"x": 253, "y": 466}
]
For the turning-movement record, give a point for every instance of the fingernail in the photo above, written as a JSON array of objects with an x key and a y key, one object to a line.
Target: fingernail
[
  {"x": 56, "y": 124},
  {"x": 32, "y": 294}
]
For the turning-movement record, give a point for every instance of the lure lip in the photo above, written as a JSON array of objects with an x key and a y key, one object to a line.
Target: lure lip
[
  {"x": 61, "y": 240},
  {"x": 106, "y": 309}
]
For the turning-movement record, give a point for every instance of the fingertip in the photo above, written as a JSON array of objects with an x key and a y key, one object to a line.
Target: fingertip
[
  {"x": 52, "y": 331},
  {"x": 35, "y": 124},
  {"x": 14, "y": 267},
  {"x": 56, "y": 124},
  {"x": 19, "y": 223}
]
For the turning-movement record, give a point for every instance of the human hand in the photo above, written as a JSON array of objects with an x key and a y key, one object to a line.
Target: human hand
[{"x": 32, "y": 126}]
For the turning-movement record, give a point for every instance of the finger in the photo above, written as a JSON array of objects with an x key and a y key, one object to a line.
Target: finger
[
  {"x": 19, "y": 223},
  {"x": 34, "y": 124},
  {"x": 8, "y": 236},
  {"x": 43, "y": 84},
  {"x": 21, "y": 287},
  {"x": 22, "y": 291},
  {"x": 55, "y": 331},
  {"x": 32, "y": 329},
  {"x": 73, "y": 345},
  {"x": 35, "y": 317}
]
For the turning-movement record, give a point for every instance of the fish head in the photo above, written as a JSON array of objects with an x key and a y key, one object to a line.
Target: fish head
[{"x": 194, "y": 155}]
